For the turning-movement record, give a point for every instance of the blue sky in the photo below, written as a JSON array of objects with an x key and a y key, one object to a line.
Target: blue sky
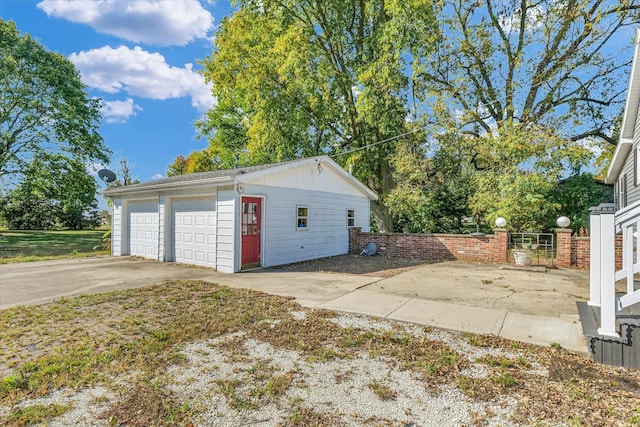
[{"x": 140, "y": 57}]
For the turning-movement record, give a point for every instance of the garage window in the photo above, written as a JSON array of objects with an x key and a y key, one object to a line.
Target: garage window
[
  {"x": 351, "y": 217},
  {"x": 302, "y": 217}
]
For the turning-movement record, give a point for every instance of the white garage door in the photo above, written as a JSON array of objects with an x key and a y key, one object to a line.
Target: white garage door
[
  {"x": 194, "y": 231},
  {"x": 143, "y": 229}
]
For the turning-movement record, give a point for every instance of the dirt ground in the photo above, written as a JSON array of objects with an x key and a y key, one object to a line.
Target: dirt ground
[{"x": 376, "y": 266}]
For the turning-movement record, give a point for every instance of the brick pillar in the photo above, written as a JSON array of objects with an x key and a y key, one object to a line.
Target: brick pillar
[
  {"x": 501, "y": 242},
  {"x": 354, "y": 233},
  {"x": 563, "y": 246}
]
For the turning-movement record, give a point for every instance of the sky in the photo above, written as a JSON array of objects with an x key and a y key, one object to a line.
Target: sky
[{"x": 141, "y": 57}]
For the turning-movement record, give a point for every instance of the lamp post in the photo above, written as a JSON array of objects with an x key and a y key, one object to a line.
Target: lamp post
[
  {"x": 563, "y": 222},
  {"x": 501, "y": 222}
]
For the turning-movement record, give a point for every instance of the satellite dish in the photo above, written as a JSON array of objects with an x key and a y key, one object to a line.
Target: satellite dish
[
  {"x": 106, "y": 175},
  {"x": 370, "y": 250}
]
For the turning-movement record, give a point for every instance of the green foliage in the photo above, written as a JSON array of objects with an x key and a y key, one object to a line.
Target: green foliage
[
  {"x": 432, "y": 193},
  {"x": 521, "y": 169},
  {"x": 106, "y": 240},
  {"x": 44, "y": 105},
  {"x": 55, "y": 191},
  {"x": 297, "y": 79},
  {"x": 575, "y": 195}
]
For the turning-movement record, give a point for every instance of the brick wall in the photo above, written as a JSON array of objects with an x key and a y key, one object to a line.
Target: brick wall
[
  {"x": 571, "y": 251},
  {"x": 581, "y": 251},
  {"x": 434, "y": 247}
]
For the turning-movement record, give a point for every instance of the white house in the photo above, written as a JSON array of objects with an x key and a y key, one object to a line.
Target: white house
[
  {"x": 229, "y": 220},
  {"x": 611, "y": 318}
]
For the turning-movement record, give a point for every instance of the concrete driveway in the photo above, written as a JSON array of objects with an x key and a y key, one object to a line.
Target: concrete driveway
[
  {"x": 45, "y": 281},
  {"x": 537, "y": 308}
]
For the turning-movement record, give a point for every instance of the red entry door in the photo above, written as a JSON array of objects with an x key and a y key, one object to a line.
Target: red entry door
[{"x": 251, "y": 209}]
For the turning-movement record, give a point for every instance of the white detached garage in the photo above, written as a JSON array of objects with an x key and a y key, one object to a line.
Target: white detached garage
[{"x": 258, "y": 216}]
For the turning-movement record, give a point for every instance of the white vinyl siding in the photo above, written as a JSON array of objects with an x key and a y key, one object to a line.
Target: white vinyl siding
[
  {"x": 116, "y": 228},
  {"x": 327, "y": 233},
  {"x": 315, "y": 177},
  {"x": 226, "y": 236},
  {"x": 630, "y": 168}
]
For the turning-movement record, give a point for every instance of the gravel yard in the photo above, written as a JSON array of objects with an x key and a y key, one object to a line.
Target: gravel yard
[{"x": 193, "y": 353}]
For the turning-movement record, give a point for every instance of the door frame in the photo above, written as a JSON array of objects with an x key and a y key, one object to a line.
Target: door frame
[{"x": 262, "y": 230}]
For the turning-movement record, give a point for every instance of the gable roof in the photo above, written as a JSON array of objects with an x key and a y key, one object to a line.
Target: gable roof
[
  {"x": 629, "y": 118},
  {"x": 242, "y": 174}
]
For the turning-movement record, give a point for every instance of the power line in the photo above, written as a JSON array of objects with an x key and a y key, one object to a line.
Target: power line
[{"x": 379, "y": 142}]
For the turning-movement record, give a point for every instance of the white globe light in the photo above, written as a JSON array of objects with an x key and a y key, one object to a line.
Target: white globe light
[
  {"x": 501, "y": 222},
  {"x": 563, "y": 222}
]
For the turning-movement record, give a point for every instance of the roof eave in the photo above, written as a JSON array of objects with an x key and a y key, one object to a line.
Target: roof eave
[
  {"x": 168, "y": 186},
  {"x": 629, "y": 117}
]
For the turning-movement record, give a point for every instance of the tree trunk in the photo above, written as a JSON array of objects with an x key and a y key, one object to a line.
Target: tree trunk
[
  {"x": 378, "y": 209},
  {"x": 382, "y": 217}
]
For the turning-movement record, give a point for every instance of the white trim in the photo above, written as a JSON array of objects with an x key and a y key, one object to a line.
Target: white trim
[
  {"x": 298, "y": 217},
  {"x": 351, "y": 217},
  {"x": 629, "y": 117}
]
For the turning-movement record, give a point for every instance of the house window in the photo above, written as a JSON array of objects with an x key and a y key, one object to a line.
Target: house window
[
  {"x": 622, "y": 191},
  {"x": 351, "y": 217},
  {"x": 302, "y": 217}
]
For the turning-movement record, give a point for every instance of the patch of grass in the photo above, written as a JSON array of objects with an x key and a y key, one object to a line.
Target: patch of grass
[
  {"x": 494, "y": 361},
  {"x": 384, "y": 392},
  {"x": 635, "y": 420},
  {"x": 35, "y": 414},
  {"x": 149, "y": 405},
  {"x": 308, "y": 417},
  {"x": 37, "y": 245},
  {"x": 231, "y": 389},
  {"x": 279, "y": 384},
  {"x": 504, "y": 379}
]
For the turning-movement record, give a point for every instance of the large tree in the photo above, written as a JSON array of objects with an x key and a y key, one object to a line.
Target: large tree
[
  {"x": 44, "y": 106},
  {"x": 556, "y": 64},
  {"x": 54, "y": 191},
  {"x": 534, "y": 83},
  {"x": 301, "y": 77}
]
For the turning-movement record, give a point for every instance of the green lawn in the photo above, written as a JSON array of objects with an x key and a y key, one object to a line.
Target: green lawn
[{"x": 36, "y": 245}]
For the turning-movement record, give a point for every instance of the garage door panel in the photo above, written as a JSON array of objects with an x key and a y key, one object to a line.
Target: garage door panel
[
  {"x": 143, "y": 228},
  {"x": 194, "y": 231}
]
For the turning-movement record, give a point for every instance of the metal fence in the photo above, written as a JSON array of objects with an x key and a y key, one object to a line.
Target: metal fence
[{"x": 542, "y": 245}]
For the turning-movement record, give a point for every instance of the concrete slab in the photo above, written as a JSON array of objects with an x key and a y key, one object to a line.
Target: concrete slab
[
  {"x": 477, "y": 320},
  {"x": 553, "y": 293},
  {"x": 311, "y": 288},
  {"x": 544, "y": 330},
  {"x": 46, "y": 281},
  {"x": 369, "y": 303}
]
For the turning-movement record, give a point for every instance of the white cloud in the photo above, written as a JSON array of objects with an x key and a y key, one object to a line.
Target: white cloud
[
  {"x": 119, "y": 111},
  {"x": 141, "y": 73},
  {"x": 163, "y": 23},
  {"x": 157, "y": 176}
]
